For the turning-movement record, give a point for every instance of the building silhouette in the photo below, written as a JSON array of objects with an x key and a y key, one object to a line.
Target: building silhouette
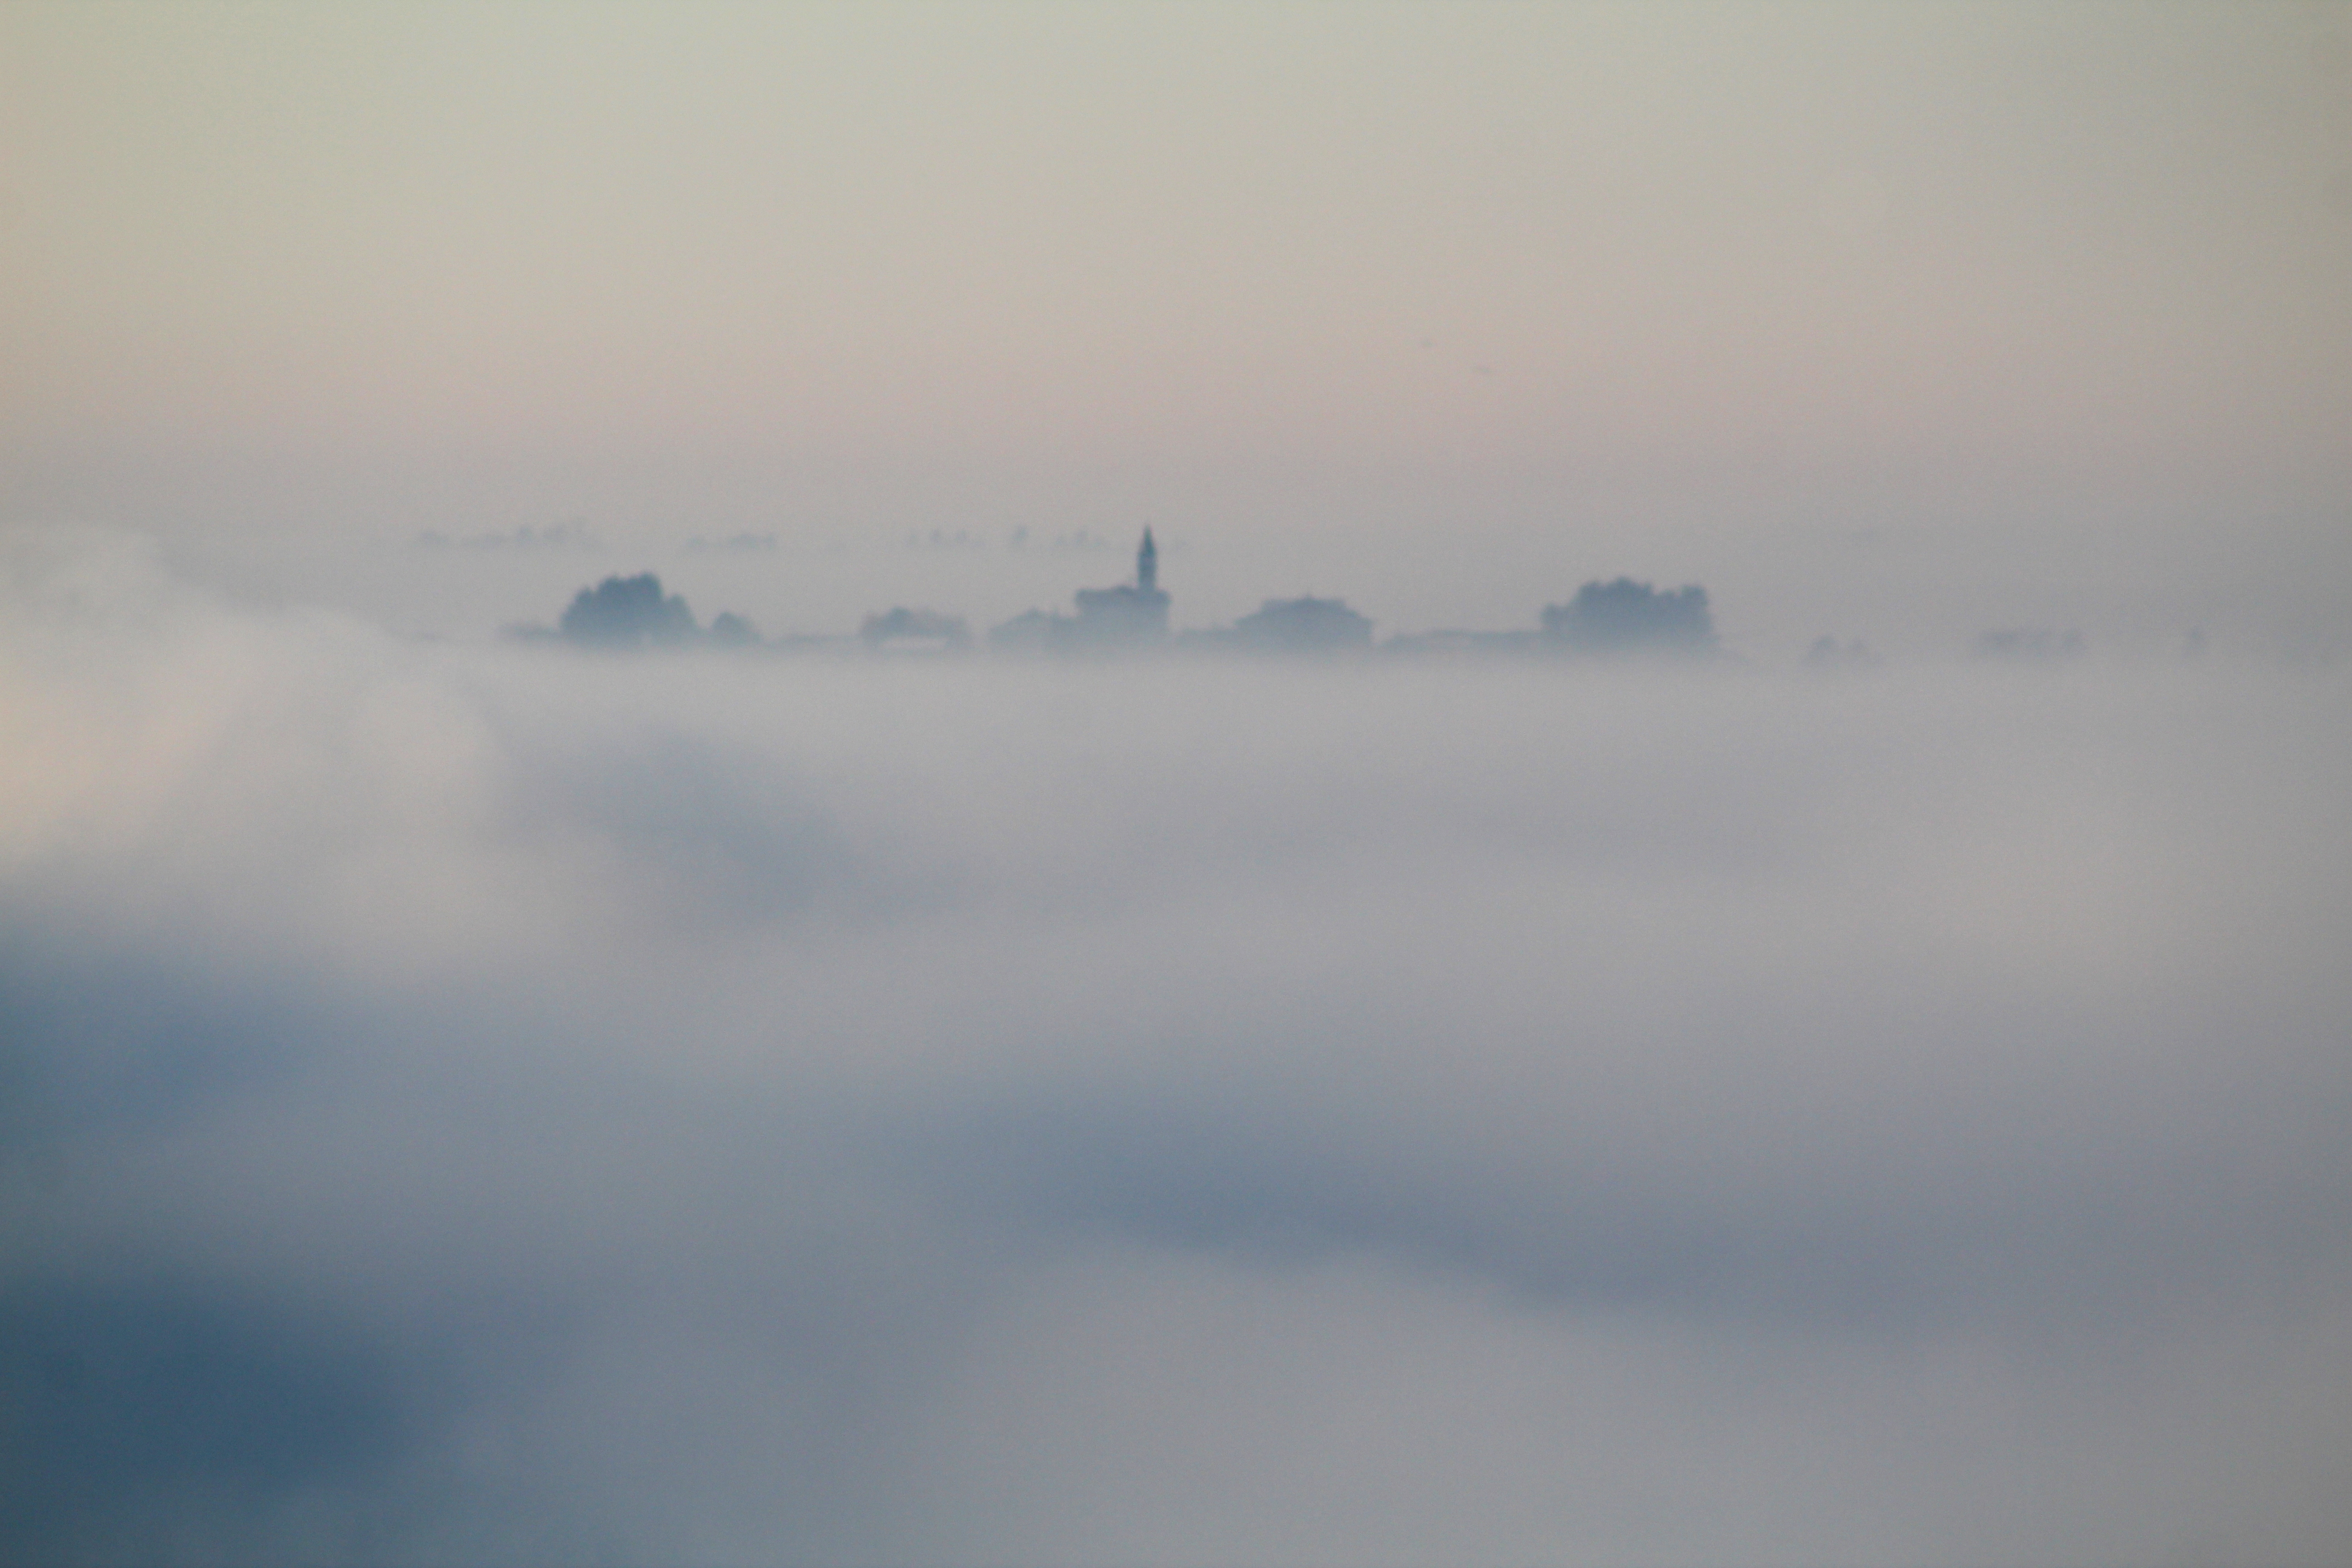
[
  {"x": 1132, "y": 616},
  {"x": 902, "y": 630},
  {"x": 1111, "y": 617}
]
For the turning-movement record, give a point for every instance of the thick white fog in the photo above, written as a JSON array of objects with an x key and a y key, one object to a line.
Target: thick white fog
[{"x": 493, "y": 1103}]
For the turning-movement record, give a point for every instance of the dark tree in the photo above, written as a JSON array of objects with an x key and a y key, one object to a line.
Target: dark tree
[
  {"x": 1303, "y": 625},
  {"x": 627, "y": 612}
]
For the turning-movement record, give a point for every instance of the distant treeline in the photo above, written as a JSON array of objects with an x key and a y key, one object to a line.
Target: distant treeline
[
  {"x": 1622, "y": 616},
  {"x": 1618, "y": 619}
]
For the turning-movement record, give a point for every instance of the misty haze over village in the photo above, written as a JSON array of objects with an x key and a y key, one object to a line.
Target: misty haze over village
[
  {"x": 1617, "y": 619},
  {"x": 1185, "y": 786}
]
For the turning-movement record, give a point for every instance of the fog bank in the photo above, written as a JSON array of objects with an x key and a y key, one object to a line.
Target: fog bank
[{"x": 493, "y": 1103}]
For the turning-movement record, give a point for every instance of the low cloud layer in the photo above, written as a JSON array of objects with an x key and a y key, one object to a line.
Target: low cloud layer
[{"x": 496, "y": 1104}]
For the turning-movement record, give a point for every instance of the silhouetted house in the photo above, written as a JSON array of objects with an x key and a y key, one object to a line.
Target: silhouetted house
[
  {"x": 902, "y": 630},
  {"x": 1303, "y": 625},
  {"x": 728, "y": 629},
  {"x": 1828, "y": 653},
  {"x": 1031, "y": 631},
  {"x": 2037, "y": 645},
  {"x": 1128, "y": 617},
  {"x": 1626, "y": 617}
]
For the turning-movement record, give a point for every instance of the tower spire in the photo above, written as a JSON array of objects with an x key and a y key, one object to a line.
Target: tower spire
[{"x": 1147, "y": 564}]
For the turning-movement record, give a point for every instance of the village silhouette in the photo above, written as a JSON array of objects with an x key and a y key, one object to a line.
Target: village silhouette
[{"x": 1619, "y": 617}]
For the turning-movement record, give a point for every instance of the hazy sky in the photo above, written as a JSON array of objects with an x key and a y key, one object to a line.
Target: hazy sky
[{"x": 1444, "y": 307}]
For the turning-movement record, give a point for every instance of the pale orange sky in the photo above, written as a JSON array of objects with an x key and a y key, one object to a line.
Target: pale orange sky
[{"x": 1867, "y": 244}]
